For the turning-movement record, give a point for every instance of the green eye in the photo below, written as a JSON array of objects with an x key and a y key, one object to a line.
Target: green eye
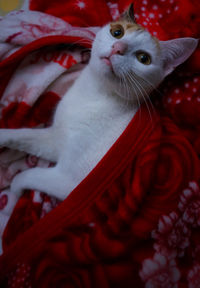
[
  {"x": 144, "y": 58},
  {"x": 117, "y": 31}
]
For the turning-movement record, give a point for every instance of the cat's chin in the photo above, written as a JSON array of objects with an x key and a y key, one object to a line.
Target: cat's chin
[
  {"x": 109, "y": 69},
  {"x": 107, "y": 64},
  {"x": 103, "y": 66}
]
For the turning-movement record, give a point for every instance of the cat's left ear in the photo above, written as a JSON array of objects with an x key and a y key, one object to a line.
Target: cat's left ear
[
  {"x": 128, "y": 15},
  {"x": 175, "y": 52}
]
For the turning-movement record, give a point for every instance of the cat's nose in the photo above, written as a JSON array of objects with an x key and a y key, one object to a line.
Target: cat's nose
[{"x": 119, "y": 47}]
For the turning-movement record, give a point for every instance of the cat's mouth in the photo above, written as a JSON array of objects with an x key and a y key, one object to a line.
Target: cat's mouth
[{"x": 108, "y": 62}]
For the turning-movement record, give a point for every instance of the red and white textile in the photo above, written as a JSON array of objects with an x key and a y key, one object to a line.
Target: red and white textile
[{"x": 134, "y": 221}]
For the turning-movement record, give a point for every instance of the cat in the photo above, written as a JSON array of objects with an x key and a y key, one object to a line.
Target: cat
[{"x": 126, "y": 64}]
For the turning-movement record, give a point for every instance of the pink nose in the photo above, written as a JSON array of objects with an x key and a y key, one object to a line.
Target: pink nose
[{"x": 119, "y": 47}]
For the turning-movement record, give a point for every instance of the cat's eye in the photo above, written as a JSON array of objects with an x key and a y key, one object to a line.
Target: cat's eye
[
  {"x": 144, "y": 58},
  {"x": 117, "y": 31}
]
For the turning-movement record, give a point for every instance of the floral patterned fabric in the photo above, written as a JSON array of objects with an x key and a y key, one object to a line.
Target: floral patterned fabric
[{"x": 134, "y": 220}]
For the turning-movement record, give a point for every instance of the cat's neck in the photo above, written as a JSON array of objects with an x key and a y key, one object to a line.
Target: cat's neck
[{"x": 93, "y": 84}]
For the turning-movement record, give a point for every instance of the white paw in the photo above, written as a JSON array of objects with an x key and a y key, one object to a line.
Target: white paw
[
  {"x": 16, "y": 186},
  {"x": 2, "y": 137},
  {"x": 3, "y": 222},
  {"x": 8, "y": 201}
]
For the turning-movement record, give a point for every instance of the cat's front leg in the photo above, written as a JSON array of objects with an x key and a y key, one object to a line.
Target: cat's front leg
[
  {"x": 39, "y": 142},
  {"x": 48, "y": 180}
]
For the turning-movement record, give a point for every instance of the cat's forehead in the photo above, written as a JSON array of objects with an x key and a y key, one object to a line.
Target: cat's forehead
[{"x": 130, "y": 27}]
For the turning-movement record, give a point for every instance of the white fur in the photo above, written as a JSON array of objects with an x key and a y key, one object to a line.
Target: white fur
[{"x": 92, "y": 114}]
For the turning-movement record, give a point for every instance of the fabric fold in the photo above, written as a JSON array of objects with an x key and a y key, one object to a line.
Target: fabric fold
[{"x": 135, "y": 218}]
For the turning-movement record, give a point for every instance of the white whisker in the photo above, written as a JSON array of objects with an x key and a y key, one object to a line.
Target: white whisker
[
  {"x": 135, "y": 92},
  {"x": 147, "y": 92},
  {"x": 153, "y": 87},
  {"x": 141, "y": 91}
]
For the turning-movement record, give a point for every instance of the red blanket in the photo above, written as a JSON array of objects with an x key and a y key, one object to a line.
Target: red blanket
[{"x": 134, "y": 221}]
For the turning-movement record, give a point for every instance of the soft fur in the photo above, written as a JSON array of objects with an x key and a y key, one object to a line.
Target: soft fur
[{"x": 96, "y": 109}]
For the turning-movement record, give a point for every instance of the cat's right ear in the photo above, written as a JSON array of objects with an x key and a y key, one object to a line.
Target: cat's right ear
[
  {"x": 128, "y": 15},
  {"x": 175, "y": 52}
]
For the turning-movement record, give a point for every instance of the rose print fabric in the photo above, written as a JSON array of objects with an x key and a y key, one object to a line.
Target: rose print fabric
[{"x": 134, "y": 220}]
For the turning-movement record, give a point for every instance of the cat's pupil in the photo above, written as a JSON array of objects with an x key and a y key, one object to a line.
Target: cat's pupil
[
  {"x": 144, "y": 58},
  {"x": 117, "y": 33}
]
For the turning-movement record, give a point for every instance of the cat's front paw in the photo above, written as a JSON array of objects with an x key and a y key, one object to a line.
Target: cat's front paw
[
  {"x": 8, "y": 201},
  {"x": 16, "y": 186},
  {"x": 3, "y": 137}
]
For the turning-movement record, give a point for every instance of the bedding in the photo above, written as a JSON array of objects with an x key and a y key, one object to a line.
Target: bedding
[{"x": 134, "y": 221}]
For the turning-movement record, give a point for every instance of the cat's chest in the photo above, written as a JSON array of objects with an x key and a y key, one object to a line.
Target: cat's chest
[
  {"x": 89, "y": 124},
  {"x": 87, "y": 112}
]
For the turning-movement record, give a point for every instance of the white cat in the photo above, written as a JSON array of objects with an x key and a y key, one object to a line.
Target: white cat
[{"x": 126, "y": 63}]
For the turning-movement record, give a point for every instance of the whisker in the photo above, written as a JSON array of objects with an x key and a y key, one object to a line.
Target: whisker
[
  {"x": 81, "y": 41},
  {"x": 134, "y": 88},
  {"x": 141, "y": 90},
  {"x": 154, "y": 88},
  {"x": 147, "y": 93},
  {"x": 136, "y": 94},
  {"x": 125, "y": 86},
  {"x": 130, "y": 89}
]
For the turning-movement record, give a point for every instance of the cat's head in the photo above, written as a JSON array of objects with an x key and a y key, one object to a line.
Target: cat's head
[{"x": 125, "y": 52}]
